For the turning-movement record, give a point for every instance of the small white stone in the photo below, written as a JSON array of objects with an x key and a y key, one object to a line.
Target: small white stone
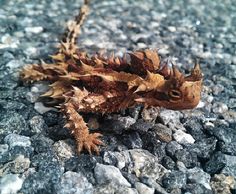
[
  {"x": 141, "y": 45},
  {"x": 108, "y": 173},
  {"x": 35, "y": 30},
  {"x": 172, "y": 29},
  {"x": 63, "y": 150},
  {"x": 14, "y": 64},
  {"x": 17, "y": 140},
  {"x": 182, "y": 137},
  {"x": 201, "y": 104},
  {"x": 144, "y": 189},
  {"x": 31, "y": 51},
  {"x": 209, "y": 124},
  {"x": 10, "y": 184},
  {"x": 40, "y": 108}
]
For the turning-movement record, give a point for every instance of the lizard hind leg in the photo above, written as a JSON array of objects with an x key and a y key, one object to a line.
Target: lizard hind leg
[{"x": 76, "y": 124}]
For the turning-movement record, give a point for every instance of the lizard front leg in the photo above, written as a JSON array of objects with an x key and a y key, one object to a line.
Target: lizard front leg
[{"x": 76, "y": 124}]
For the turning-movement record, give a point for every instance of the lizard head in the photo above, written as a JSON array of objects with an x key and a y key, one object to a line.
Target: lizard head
[{"x": 176, "y": 91}]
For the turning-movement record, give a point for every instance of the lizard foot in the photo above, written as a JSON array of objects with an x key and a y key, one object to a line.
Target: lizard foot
[{"x": 90, "y": 143}]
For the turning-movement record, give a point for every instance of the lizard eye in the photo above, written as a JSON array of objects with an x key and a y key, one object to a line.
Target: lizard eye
[{"x": 175, "y": 94}]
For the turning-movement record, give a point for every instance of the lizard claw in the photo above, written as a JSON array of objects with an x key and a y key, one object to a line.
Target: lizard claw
[{"x": 90, "y": 143}]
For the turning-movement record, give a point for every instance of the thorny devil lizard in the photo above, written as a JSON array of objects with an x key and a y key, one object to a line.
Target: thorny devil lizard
[{"x": 100, "y": 84}]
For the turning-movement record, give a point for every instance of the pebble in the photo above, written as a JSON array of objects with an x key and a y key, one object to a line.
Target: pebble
[
  {"x": 10, "y": 183},
  {"x": 183, "y": 138},
  {"x": 17, "y": 166},
  {"x": 132, "y": 141},
  {"x": 144, "y": 164},
  {"x": 74, "y": 182},
  {"x": 168, "y": 163},
  {"x": 194, "y": 188},
  {"x": 220, "y": 108},
  {"x": 172, "y": 147},
  {"x": 112, "y": 188},
  {"x": 170, "y": 117},
  {"x": 34, "y": 30},
  {"x": 222, "y": 184},
  {"x": 37, "y": 124},
  {"x": 40, "y": 108},
  {"x": 3, "y": 149},
  {"x": 223, "y": 163},
  {"x": 141, "y": 125},
  {"x": 17, "y": 140},
  {"x": 142, "y": 188},
  {"x": 188, "y": 158},
  {"x": 174, "y": 179},
  {"x": 13, "y": 64},
  {"x": 163, "y": 133},
  {"x": 107, "y": 173},
  {"x": 63, "y": 149},
  {"x": 116, "y": 159},
  {"x": 197, "y": 175}
]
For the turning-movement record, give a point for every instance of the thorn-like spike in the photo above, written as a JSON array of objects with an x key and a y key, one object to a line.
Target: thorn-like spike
[
  {"x": 67, "y": 125},
  {"x": 197, "y": 67},
  {"x": 176, "y": 72}
]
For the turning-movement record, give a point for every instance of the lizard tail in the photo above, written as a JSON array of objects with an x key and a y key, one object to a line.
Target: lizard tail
[{"x": 68, "y": 45}]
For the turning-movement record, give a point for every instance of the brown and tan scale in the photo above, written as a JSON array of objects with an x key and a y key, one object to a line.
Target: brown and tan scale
[{"x": 83, "y": 83}]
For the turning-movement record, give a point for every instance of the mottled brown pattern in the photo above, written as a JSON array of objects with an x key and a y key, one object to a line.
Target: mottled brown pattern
[{"x": 83, "y": 83}]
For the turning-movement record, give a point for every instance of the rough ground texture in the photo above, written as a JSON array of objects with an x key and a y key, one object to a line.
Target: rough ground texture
[{"x": 147, "y": 151}]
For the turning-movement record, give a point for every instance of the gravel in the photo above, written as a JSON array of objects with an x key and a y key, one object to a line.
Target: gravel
[{"x": 147, "y": 150}]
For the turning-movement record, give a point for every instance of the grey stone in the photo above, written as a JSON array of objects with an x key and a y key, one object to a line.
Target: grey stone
[
  {"x": 204, "y": 148},
  {"x": 142, "y": 125},
  {"x": 220, "y": 108},
  {"x": 145, "y": 164},
  {"x": 194, "y": 188},
  {"x": 14, "y": 64},
  {"x": 227, "y": 137},
  {"x": 116, "y": 158},
  {"x": 63, "y": 149},
  {"x": 170, "y": 117},
  {"x": 197, "y": 175},
  {"x": 223, "y": 163},
  {"x": 150, "y": 114},
  {"x": 168, "y": 163},
  {"x": 47, "y": 175},
  {"x": 195, "y": 128},
  {"x": 222, "y": 184},
  {"x": 132, "y": 140},
  {"x": 154, "y": 184},
  {"x": 40, "y": 143},
  {"x": 34, "y": 30},
  {"x": 17, "y": 166},
  {"x": 3, "y": 149},
  {"x": 174, "y": 179},
  {"x": 163, "y": 133},
  {"x": 107, "y": 173},
  {"x": 40, "y": 108},
  {"x": 13, "y": 123},
  {"x": 142, "y": 188},
  {"x": 126, "y": 121},
  {"x": 17, "y": 140},
  {"x": 72, "y": 182},
  {"x": 112, "y": 188},
  {"x": 172, "y": 147},
  {"x": 37, "y": 124},
  {"x": 183, "y": 138},
  {"x": 189, "y": 159},
  {"x": 10, "y": 183}
]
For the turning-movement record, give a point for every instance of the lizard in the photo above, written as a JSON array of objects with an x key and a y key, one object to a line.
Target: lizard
[{"x": 83, "y": 83}]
